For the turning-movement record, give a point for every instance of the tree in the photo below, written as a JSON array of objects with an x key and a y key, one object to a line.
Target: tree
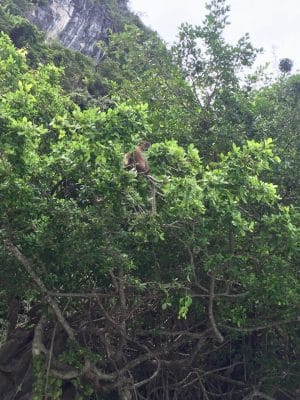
[
  {"x": 122, "y": 301},
  {"x": 276, "y": 108},
  {"x": 138, "y": 67},
  {"x": 218, "y": 74}
]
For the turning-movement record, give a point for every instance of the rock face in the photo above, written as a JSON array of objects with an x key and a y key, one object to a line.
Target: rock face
[{"x": 77, "y": 24}]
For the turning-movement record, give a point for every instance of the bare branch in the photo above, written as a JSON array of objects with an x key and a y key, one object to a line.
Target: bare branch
[
  {"x": 37, "y": 342},
  {"x": 228, "y": 295},
  {"x": 262, "y": 327},
  {"x": 107, "y": 315},
  {"x": 90, "y": 369},
  {"x": 145, "y": 381},
  {"x": 38, "y": 348},
  {"x": 153, "y": 198},
  {"x": 203, "y": 390},
  {"x": 65, "y": 375},
  {"x": 27, "y": 264},
  {"x": 213, "y": 371},
  {"x": 50, "y": 359},
  {"x": 211, "y": 317},
  {"x": 228, "y": 380},
  {"x": 80, "y": 295},
  {"x": 161, "y": 332},
  {"x": 4, "y": 162},
  {"x": 257, "y": 393}
]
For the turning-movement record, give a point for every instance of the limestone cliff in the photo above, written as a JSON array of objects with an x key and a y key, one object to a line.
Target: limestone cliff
[{"x": 78, "y": 24}]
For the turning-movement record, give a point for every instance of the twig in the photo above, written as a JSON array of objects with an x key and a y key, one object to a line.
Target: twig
[
  {"x": 211, "y": 317},
  {"x": 152, "y": 179},
  {"x": 50, "y": 359},
  {"x": 213, "y": 371},
  {"x": 262, "y": 327},
  {"x": 203, "y": 389},
  {"x": 13, "y": 313},
  {"x": 51, "y": 351},
  {"x": 107, "y": 315},
  {"x": 257, "y": 393},
  {"x": 153, "y": 182},
  {"x": 145, "y": 381},
  {"x": 4, "y": 162},
  {"x": 153, "y": 198},
  {"x": 80, "y": 295},
  {"x": 228, "y": 380},
  {"x": 228, "y": 295},
  {"x": 160, "y": 332}
]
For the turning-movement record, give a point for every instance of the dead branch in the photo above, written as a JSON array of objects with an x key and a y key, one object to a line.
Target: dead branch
[
  {"x": 228, "y": 380},
  {"x": 106, "y": 314},
  {"x": 50, "y": 359},
  {"x": 167, "y": 333},
  {"x": 152, "y": 179},
  {"x": 228, "y": 295},
  {"x": 205, "y": 395},
  {"x": 27, "y": 264},
  {"x": 51, "y": 352},
  {"x": 38, "y": 346},
  {"x": 262, "y": 327},
  {"x": 95, "y": 294},
  {"x": 211, "y": 317},
  {"x": 154, "y": 184},
  {"x": 231, "y": 366},
  {"x": 145, "y": 381},
  {"x": 153, "y": 198},
  {"x": 123, "y": 306},
  {"x": 5, "y": 163},
  {"x": 90, "y": 371},
  {"x": 13, "y": 312},
  {"x": 257, "y": 393}
]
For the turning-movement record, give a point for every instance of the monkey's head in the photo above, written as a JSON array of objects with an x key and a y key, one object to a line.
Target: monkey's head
[{"x": 144, "y": 145}]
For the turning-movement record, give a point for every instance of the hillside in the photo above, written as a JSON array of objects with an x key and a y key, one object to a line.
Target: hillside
[
  {"x": 50, "y": 30},
  {"x": 80, "y": 24}
]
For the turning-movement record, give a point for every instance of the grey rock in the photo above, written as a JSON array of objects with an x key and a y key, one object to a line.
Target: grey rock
[{"x": 76, "y": 24}]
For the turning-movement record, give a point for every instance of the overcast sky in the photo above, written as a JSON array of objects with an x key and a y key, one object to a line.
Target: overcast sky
[{"x": 272, "y": 24}]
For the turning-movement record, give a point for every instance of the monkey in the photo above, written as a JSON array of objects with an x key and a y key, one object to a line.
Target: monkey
[{"x": 137, "y": 160}]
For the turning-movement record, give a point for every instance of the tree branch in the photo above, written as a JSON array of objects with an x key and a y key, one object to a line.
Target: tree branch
[
  {"x": 145, "y": 381},
  {"x": 38, "y": 346},
  {"x": 257, "y": 393},
  {"x": 27, "y": 264},
  {"x": 211, "y": 317},
  {"x": 262, "y": 327},
  {"x": 57, "y": 369}
]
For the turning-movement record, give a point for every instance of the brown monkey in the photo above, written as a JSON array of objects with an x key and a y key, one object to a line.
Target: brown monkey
[{"x": 136, "y": 159}]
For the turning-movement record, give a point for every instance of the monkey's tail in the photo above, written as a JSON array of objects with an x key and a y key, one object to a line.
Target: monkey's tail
[
  {"x": 153, "y": 198},
  {"x": 152, "y": 179},
  {"x": 153, "y": 183}
]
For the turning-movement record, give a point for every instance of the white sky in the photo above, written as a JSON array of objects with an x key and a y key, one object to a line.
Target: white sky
[{"x": 272, "y": 24}]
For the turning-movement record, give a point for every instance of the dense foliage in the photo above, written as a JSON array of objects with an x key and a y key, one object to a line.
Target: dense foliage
[
  {"x": 82, "y": 77},
  {"x": 196, "y": 297}
]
